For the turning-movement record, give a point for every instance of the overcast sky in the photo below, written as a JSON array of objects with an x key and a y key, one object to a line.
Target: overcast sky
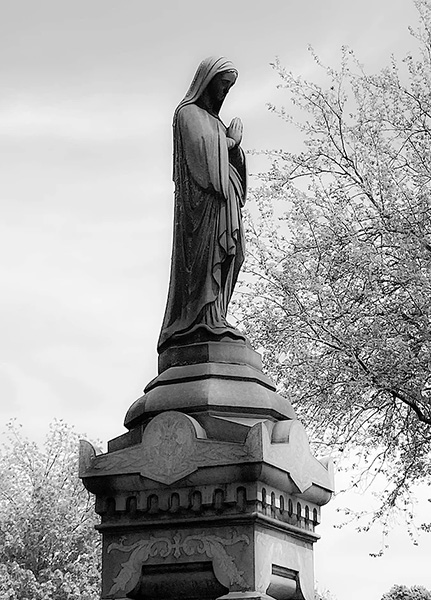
[{"x": 88, "y": 92}]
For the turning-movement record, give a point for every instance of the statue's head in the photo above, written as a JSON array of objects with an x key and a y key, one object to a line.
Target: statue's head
[
  {"x": 213, "y": 78},
  {"x": 220, "y": 85}
]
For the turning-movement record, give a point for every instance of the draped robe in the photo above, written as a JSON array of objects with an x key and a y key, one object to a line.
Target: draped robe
[{"x": 208, "y": 244}]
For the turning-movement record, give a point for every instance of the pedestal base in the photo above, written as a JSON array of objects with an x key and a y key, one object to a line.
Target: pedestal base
[
  {"x": 217, "y": 378},
  {"x": 187, "y": 517},
  {"x": 213, "y": 493}
]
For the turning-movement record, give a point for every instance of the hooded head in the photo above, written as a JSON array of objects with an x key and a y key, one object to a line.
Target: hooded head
[{"x": 207, "y": 70}]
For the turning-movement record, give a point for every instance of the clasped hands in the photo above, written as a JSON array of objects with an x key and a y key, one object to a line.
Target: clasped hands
[{"x": 234, "y": 133}]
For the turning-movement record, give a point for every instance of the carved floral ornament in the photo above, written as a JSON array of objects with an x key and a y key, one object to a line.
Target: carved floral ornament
[{"x": 178, "y": 546}]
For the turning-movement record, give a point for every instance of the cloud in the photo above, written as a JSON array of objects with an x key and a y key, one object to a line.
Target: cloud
[{"x": 101, "y": 118}]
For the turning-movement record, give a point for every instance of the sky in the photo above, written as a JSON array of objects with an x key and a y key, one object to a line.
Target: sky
[{"x": 88, "y": 92}]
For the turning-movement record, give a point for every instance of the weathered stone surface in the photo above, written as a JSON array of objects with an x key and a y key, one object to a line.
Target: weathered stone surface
[
  {"x": 230, "y": 352},
  {"x": 175, "y": 446},
  {"x": 219, "y": 555},
  {"x": 221, "y": 378},
  {"x": 225, "y": 517},
  {"x": 218, "y": 498}
]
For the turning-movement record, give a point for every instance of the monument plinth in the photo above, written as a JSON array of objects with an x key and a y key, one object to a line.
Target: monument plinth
[
  {"x": 189, "y": 516},
  {"x": 213, "y": 492},
  {"x": 213, "y": 378}
]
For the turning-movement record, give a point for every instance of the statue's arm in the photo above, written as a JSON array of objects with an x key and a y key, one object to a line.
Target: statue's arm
[{"x": 206, "y": 159}]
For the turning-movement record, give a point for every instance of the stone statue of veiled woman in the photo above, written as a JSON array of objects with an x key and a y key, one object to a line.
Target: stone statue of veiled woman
[{"x": 210, "y": 189}]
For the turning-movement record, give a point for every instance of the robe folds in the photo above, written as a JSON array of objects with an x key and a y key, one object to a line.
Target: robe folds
[{"x": 208, "y": 244}]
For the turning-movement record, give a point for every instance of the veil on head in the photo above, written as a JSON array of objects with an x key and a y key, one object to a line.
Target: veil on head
[{"x": 208, "y": 68}]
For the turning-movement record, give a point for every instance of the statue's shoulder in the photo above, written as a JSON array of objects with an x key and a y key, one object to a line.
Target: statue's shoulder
[
  {"x": 190, "y": 111},
  {"x": 193, "y": 120}
]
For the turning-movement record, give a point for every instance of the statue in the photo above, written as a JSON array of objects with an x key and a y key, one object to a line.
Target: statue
[{"x": 210, "y": 189}]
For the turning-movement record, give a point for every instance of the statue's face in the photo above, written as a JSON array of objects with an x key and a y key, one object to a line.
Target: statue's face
[{"x": 219, "y": 86}]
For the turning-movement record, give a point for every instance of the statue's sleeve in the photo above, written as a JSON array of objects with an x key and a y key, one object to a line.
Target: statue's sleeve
[
  {"x": 204, "y": 148},
  {"x": 239, "y": 173}
]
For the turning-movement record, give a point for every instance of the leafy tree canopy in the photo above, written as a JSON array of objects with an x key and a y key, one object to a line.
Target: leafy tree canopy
[
  {"x": 48, "y": 546},
  {"x": 401, "y": 592},
  {"x": 337, "y": 288}
]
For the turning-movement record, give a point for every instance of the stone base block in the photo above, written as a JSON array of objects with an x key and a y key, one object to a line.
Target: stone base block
[
  {"x": 186, "y": 517},
  {"x": 248, "y": 558},
  {"x": 220, "y": 378},
  {"x": 213, "y": 493}
]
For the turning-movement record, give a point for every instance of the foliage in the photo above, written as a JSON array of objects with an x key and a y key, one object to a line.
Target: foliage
[
  {"x": 401, "y": 592},
  {"x": 337, "y": 290},
  {"x": 323, "y": 595},
  {"x": 48, "y": 545}
]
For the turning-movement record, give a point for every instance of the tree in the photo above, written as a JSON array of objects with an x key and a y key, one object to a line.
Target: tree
[
  {"x": 337, "y": 288},
  {"x": 48, "y": 546},
  {"x": 401, "y": 592},
  {"x": 323, "y": 595}
]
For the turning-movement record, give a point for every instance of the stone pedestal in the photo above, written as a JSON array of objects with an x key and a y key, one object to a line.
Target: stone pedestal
[{"x": 213, "y": 492}]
